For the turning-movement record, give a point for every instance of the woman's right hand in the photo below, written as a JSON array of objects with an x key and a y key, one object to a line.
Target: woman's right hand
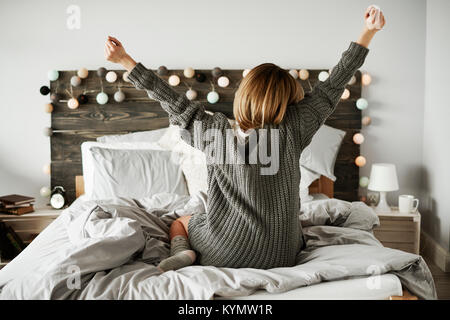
[
  {"x": 372, "y": 21},
  {"x": 115, "y": 52}
]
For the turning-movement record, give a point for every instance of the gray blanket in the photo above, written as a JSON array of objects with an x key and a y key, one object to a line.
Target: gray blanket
[{"x": 109, "y": 249}]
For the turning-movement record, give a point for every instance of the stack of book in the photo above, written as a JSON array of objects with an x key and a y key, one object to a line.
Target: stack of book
[
  {"x": 10, "y": 243},
  {"x": 16, "y": 204}
]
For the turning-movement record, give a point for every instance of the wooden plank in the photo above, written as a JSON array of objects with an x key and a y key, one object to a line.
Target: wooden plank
[
  {"x": 399, "y": 225},
  {"x": 139, "y": 113},
  {"x": 63, "y": 174},
  {"x": 407, "y": 247},
  {"x": 394, "y": 236}
]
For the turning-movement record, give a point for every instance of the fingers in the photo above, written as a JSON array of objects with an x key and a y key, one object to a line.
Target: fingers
[
  {"x": 383, "y": 21},
  {"x": 110, "y": 45},
  {"x": 367, "y": 13},
  {"x": 115, "y": 41}
]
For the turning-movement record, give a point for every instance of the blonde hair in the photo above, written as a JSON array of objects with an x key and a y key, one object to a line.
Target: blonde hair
[{"x": 263, "y": 96}]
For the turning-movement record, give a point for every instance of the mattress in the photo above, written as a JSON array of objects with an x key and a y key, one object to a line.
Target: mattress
[{"x": 366, "y": 288}]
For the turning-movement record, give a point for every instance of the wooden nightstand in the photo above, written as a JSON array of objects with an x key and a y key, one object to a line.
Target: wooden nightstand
[
  {"x": 399, "y": 230},
  {"x": 29, "y": 225}
]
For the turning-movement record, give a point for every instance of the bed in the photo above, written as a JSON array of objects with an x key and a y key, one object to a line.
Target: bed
[
  {"x": 61, "y": 252},
  {"x": 108, "y": 249}
]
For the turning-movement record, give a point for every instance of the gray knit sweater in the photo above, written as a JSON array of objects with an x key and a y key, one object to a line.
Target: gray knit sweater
[{"x": 252, "y": 218}]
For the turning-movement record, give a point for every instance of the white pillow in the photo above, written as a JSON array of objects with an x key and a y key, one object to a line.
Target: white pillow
[
  {"x": 135, "y": 173},
  {"x": 320, "y": 156},
  {"x": 193, "y": 161},
  {"x": 87, "y": 161},
  {"x": 307, "y": 177},
  {"x": 141, "y": 136}
]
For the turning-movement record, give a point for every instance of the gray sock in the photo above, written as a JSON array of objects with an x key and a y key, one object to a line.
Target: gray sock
[
  {"x": 179, "y": 244},
  {"x": 181, "y": 255},
  {"x": 178, "y": 261}
]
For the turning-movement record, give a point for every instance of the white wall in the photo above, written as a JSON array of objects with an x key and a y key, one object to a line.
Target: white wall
[
  {"x": 205, "y": 34},
  {"x": 436, "y": 141}
]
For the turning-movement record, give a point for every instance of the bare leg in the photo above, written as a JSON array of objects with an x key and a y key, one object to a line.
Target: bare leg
[{"x": 181, "y": 254}]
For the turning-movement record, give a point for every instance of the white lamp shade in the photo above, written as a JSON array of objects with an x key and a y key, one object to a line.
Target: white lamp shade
[{"x": 383, "y": 177}]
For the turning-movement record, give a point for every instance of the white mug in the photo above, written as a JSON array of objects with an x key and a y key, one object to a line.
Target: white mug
[{"x": 406, "y": 203}]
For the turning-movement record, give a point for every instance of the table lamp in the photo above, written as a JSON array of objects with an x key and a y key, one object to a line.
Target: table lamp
[{"x": 383, "y": 178}]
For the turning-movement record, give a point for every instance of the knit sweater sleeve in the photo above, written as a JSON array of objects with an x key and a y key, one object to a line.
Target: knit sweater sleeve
[
  {"x": 316, "y": 107},
  {"x": 189, "y": 115}
]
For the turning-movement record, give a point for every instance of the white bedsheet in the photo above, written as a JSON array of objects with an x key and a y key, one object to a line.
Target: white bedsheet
[
  {"x": 366, "y": 288},
  {"x": 335, "y": 251}
]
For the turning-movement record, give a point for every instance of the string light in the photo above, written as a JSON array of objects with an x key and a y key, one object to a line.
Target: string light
[
  {"x": 360, "y": 161},
  {"x": 366, "y": 79},
  {"x": 293, "y": 73},
  {"x": 189, "y": 72},
  {"x": 303, "y": 74},
  {"x": 358, "y": 138},
  {"x": 174, "y": 80},
  {"x": 345, "y": 94}
]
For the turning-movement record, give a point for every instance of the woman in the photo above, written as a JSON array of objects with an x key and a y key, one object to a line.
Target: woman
[{"x": 252, "y": 217}]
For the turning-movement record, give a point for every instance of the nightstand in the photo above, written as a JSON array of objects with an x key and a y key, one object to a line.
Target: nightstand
[
  {"x": 399, "y": 230},
  {"x": 29, "y": 225}
]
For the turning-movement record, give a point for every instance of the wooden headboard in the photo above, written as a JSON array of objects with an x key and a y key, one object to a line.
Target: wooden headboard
[{"x": 139, "y": 113}]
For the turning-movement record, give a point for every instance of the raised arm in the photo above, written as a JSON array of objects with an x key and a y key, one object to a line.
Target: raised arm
[
  {"x": 182, "y": 112},
  {"x": 322, "y": 101}
]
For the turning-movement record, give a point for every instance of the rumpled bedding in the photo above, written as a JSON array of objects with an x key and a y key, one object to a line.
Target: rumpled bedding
[{"x": 109, "y": 249}]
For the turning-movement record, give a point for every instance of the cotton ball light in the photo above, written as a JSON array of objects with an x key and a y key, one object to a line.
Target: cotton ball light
[
  {"x": 216, "y": 72},
  {"x": 362, "y": 103},
  {"x": 191, "y": 94},
  {"x": 45, "y": 192},
  {"x": 125, "y": 76},
  {"x": 82, "y": 99},
  {"x": 111, "y": 77},
  {"x": 189, "y": 72},
  {"x": 48, "y": 108},
  {"x": 83, "y": 73},
  {"x": 54, "y": 97},
  {"x": 293, "y": 73},
  {"x": 52, "y": 75},
  {"x": 174, "y": 80},
  {"x": 102, "y": 98},
  {"x": 360, "y": 161},
  {"x": 48, "y": 132},
  {"x": 162, "y": 71},
  {"x": 101, "y": 72},
  {"x": 46, "y": 169},
  {"x": 75, "y": 81},
  {"x": 358, "y": 138},
  {"x": 303, "y": 74},
  {"x": 345, "y": 94},
  {"x": 44, "y": 90},
  {"x": 323, "y": 76},
  {"x": 245, "y": 73},
  {"x": 73, "y": 103},
  {"x": 366, "y": 120},
  {"x": 119, "y": 96},
  {"x": 352, "y": 81},
  {"x": 364, "y": 182},
  {"x": 223, "y": 82},
  {"x": 212, "y": 97},
  {"x": 200, "y": 77},
  {"x": 366, "y": 79}
]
